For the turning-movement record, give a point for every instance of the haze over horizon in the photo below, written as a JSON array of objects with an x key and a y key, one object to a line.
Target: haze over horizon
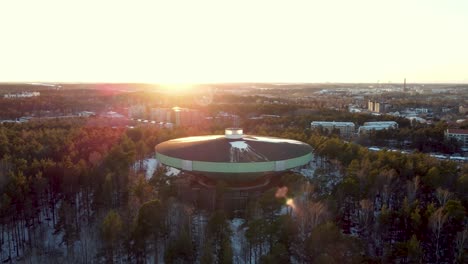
[{"x": 242, "y": 41}]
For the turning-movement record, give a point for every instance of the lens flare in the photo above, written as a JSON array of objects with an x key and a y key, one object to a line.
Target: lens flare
[{"x": 290, "y": 202}]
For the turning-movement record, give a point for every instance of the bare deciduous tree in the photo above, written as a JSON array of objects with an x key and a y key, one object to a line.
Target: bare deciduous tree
[
  {"x": 443, "y": 195},
  {"x": 436, "y": 222}
]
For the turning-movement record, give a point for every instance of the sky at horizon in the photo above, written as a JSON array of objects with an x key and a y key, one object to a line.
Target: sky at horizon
[{"x": 234, "y": 41}]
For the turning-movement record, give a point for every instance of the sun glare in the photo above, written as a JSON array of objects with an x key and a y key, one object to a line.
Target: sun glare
[{"x": 177, "y": 87}]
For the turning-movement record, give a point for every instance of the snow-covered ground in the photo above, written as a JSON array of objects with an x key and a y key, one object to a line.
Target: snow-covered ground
[
  {"x": 307, "y": 171},
  {"x": 236, "y": 239},
  {"x": 325, "y": 180},
  {"x": 150, "y": 166},
  {"x": 172, "y": 172}
]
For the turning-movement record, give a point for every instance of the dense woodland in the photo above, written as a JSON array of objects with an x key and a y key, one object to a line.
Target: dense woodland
[{"x": 72, "y": 192}]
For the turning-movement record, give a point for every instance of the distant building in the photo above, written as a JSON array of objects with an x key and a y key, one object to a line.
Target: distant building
[
  {"x": 377, "y": 107},
  {"x": 168, "y": 125},
  {"x": 421, "y": 110},
  {"x": 137, "y": 111},
  {"x": 112, "y": 114},
  {"x": 416, "y": 119},
  {"x": 224, "y": 119},
  {"x": 21, "y": 95},
  {"x": 187, "y": 117},
  {"x": 396, "y": 113},
  {"x": 379, "y": 125},
  {"x": 354, "y": 109},
  {"x": 459, "y": 134},
  {"x": 346, "y": 129},
  {"x": 389, "y": 124},
  {"x": 24, "y": 119},
  {"x": 86, "y": 114},
  {"x": 446, "y": 109},
  {"x": 373, "y": 106},
  {"x": 462, "y": 109},
  {"x": 264, "y": 117},
  {"x": 161, "y": 114}
]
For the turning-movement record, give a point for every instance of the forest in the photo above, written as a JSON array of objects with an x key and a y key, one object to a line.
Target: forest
[{"x": 73, "y": 192}]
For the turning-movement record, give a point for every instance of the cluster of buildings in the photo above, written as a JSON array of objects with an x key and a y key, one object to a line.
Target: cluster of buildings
[
  {"x": 176, "y": 115},
  {"x": 187, "y": 117},
  {"x": 159, "y": 124},
  {"x": 421, "y": 115},
  {"x": 348, "y": 129},
  {"x": 21, "y": 95},
  {"x": 183, "y": 117}
]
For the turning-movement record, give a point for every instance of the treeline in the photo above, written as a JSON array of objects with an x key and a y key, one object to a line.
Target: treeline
[
  {"x": 403, "y": 208},
  {"x": 389, "y": 206},
  {"x": 57, "y": 103},
  {"x": 71, "y": 193},
  {"x": 59, "y": 179}
]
